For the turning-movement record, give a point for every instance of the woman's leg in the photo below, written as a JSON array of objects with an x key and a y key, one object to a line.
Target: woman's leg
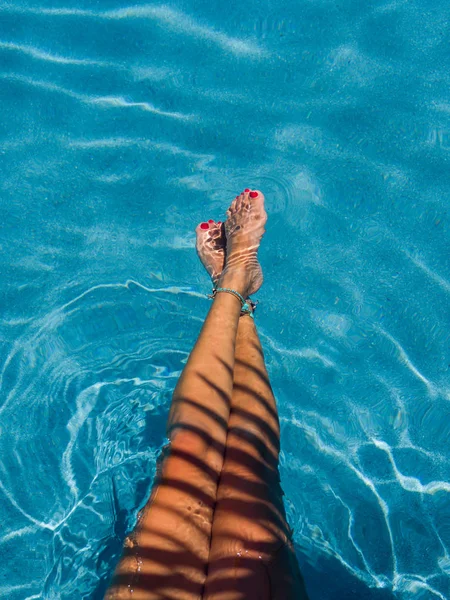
[
  {"x": 167, "y": 554},
  {"x": 251, "y": 556}
]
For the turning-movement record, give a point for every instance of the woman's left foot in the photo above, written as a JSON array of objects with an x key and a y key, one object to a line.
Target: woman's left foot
[{"x": 211, "y": 247}]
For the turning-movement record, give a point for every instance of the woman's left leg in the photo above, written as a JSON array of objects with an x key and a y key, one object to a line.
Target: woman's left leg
[{"x": 166, "y": 556}]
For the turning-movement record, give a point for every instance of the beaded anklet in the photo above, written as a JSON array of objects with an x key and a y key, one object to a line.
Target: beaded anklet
[{"x": 248, "y": 307}]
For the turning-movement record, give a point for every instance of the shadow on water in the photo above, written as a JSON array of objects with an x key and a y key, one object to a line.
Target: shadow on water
[
  {"x": 253, "y": 495},
  {"x": 328, "y": 579}
]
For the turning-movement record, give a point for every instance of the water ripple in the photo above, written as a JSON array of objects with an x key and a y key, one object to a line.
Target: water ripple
[
  {"x": 93, "y": 394},
  {"x": 49, "y": 57},
  {"x": 124, "y": 126},
  {"x": 403, "y": 357},
  {"x": 172, "y": 19},
  {"x": 106, "y": 101}
]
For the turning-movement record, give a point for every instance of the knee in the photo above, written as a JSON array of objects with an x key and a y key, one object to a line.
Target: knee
[{"x": 252, "y": 443}]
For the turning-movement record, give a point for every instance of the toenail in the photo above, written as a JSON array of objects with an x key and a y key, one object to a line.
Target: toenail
[
  {"x": 246, "y": 190},
  {"x": 253, "y": 194},
  {"x": 219, "y": 222},
  {"x": 210, "y": 221},
  {"x": 204, "y": 226}
]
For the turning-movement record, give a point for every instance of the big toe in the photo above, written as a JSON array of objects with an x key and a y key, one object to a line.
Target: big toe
[
  {"x": 210, "y": 234},
  {"x": 256, "y": 197},
  {"x": 255, "y": 201},
  {"x": 202, "y": 229}
]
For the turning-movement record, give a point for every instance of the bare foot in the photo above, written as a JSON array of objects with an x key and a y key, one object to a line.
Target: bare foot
[
  {"x": 211, "y": 244},
  {"x": 244, "y": 229}
]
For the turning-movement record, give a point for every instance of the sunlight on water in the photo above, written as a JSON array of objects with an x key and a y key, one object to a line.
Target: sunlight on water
[{"x": 126, "y": 125}]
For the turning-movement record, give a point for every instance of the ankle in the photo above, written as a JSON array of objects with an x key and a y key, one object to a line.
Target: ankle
[{"x": 234, "y": 281}]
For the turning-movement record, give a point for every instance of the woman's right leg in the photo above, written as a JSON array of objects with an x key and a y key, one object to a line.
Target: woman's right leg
[{"x": 251, "y": 554}]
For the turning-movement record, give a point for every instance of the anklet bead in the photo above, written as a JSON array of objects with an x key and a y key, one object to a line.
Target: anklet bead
[{"x": 246, "y": 310}]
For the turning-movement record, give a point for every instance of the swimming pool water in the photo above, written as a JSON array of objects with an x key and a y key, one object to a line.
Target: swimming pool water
[{"x": 123, "y": 126}]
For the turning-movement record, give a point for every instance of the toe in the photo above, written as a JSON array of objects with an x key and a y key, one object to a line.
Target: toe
[
  {"x": 256, "y": 194},
  {"x": 256, "y": 202},
  {"x": 215, "y": 231},
  {"x": 202, "y": 228},
  {"x": 218, "y": 234},
  {"x": 232, "y": 208}
]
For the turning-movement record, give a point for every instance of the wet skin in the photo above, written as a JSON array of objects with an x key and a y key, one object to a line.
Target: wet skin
[{"x": 214, "y": 526}]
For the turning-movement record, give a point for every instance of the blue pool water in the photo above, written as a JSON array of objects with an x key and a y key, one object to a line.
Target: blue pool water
[{"x": 122, "y": 127}]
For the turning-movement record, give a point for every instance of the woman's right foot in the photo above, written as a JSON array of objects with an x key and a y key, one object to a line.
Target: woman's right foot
[{"x": 244, "y": 229}]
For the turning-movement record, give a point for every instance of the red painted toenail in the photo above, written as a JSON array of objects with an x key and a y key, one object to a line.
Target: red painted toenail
[
  {"x": 204, "y": 226},
  {"x": 246, "y": 190},
  {"x": 219, "y": 222},
  {"x": 253, "y": 194},
  {"x": 210, "y": 221}
]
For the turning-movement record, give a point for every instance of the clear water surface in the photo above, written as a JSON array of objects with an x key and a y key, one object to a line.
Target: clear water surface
[{"x": 122, "y": 127}]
